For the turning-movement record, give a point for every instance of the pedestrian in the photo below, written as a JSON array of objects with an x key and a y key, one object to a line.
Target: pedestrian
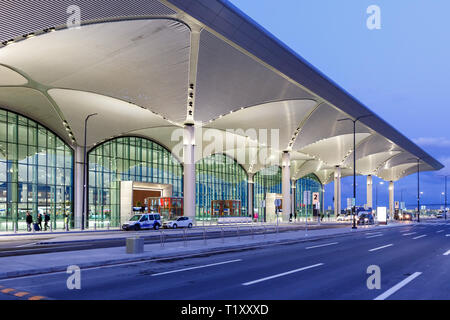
[
  {"x": 66, "y": 221},
  {"x": 29, "y": 221},
  {"x": 39, "y": 221},
  {"x": 46, "y": 220}
]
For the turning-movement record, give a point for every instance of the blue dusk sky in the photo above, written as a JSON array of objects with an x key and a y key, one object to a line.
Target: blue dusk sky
[{"x": 399, "y": 71}]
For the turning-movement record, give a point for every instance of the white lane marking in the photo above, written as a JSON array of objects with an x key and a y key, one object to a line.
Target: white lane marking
[
  {"x": 447, "y": 235},
  {"x": 424, "y": 235},
  {"x": 378, "y": 235},
  {"x": 322, "y": 245},
  {"x": 388, "y": 245},
  {"x": 447, "y": 253},
  {"x": 281, "y": 274},
  {"x": 372, "y": 233},
  {"x": 439, "y": 231},
  {"x": 398, "y": 286},
  {"x": 408, "y": 234},
  {"x": 198, "y": 267},
  {"x": 27, "y": 245}
]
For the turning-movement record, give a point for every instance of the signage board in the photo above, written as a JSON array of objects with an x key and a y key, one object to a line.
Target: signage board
[
  {"x": 316, "y": 198},
  {"x": 306, "y": 197},
  {"x": 382, "y": 215}
]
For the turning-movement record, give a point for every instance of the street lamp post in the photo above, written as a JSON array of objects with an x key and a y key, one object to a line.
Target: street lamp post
[
  {"x": 418, "y": 191},
  {"x": 354, "y": 163},
  {"x": 83, "y": 216}
]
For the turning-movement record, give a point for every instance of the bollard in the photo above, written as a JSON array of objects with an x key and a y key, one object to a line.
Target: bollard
[
  {"x": 107, "y": 225},
  {"x": 221, "y": 233},
  {"x": 184, "y": 237},
  {"x": 134, "y": 245},
  {"x": 239, "y": 235},
  {"x": 51, "y": 228},
  {"x": 253, "y": 237},
  {"x": 204, "y": 236},
  {"x": 95, "y": 226},
  {"x": 264, "y": 231}
]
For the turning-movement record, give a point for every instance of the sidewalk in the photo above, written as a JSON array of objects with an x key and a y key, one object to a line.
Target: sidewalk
[
  {"x": 112, "y": 234},
  {"x": 17, "y": 266}
]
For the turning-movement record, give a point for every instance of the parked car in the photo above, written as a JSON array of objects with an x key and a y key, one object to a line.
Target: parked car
[
  {"x": 439, "y": 216},
  {"x": 143, "y": 221},
  {"x": 181, "y": 222},
  {"x": 407, "y": 216},
  {"x": 365, "y": 218}
]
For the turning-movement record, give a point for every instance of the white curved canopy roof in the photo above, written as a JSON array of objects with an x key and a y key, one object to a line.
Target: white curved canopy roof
[{"x": 135, "y": 71}]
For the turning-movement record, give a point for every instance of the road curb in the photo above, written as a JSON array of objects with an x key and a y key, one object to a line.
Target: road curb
[{"x": 168, "y": 256}]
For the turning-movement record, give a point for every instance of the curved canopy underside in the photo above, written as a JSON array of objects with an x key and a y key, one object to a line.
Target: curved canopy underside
[{"x": 136, "y": 75}]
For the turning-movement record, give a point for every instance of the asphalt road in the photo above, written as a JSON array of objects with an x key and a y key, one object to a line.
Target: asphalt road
[{"x": 414, "y": 262}]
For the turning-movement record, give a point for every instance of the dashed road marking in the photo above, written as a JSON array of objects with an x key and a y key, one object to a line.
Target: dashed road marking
[
  {"x": 377, "y": 235},
  {"x": 322, "y": 245},
  {"x": 408, "y": 234},
  {"x": 21, "y": 294},
  {"x": 37, "y": 298},
  {"x": 424, "y": 235},
  {"x": 198, "y": 267},
  {"x": 447, "y": 253},
  {"x": 439, "y": 231}
]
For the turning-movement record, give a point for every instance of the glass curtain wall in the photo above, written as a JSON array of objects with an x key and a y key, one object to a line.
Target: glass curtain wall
[
  {"x": 36, "y": 173},
  {"x": 267, "y": 180},
  {"x": 307, "y": 183},
  {"x": 219, "y": 177},
  {"x": 127, "y": 159}
]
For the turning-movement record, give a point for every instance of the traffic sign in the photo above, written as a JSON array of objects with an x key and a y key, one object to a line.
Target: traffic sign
[
  {"x": 306, "y": 197},
  {"x": 316, "y": 198},
  {"x": 277, "y": 202}
]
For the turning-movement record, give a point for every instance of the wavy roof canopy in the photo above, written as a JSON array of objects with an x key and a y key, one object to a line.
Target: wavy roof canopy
[{"x": 134, "y": 63}]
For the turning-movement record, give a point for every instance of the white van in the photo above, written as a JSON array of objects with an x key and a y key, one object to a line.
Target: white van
[{"x": 143, "y": 221}]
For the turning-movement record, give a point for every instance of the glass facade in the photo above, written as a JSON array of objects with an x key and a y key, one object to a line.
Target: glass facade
[
  {"x": 36, "y": 173},
  {"x": 265, "y": 181},
  {"x": 307, "y": 183},
  {"x": 127, "y": 159},
  {"x": 218, "y": 177}
]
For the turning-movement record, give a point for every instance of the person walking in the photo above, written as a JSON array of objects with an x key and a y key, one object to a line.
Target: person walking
[
  {"x": 39, "y": 221},
  {"x": 46, "y": 220},
  {"x": 29, "y": 220}
]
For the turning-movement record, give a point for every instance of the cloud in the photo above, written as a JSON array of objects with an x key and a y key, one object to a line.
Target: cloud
[
  {"x": 446, "y": 162},
  {"x": 432, "y": 142}
]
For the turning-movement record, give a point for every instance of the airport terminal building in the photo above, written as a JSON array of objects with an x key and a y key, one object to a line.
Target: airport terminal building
[{"x": 187, "y": 106}]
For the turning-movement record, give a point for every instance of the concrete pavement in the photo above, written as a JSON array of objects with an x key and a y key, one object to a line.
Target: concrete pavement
[{"x": 333, "y": 266}]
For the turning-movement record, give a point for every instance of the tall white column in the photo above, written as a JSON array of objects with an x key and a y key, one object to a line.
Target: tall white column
[
  {"x": 250, "y": 195},
  {"x": 189, "y": 170},
  {"x": 286, "y": 185},
  {"x": 369, "y": 191},
  {"x": 78, "y": 186},
  {"x": 337, "y": 191},
  {"x": 391, "y": 200}
]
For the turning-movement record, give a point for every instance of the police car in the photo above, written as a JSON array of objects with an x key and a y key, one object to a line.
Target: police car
[{"x": 143, "y": 221}]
